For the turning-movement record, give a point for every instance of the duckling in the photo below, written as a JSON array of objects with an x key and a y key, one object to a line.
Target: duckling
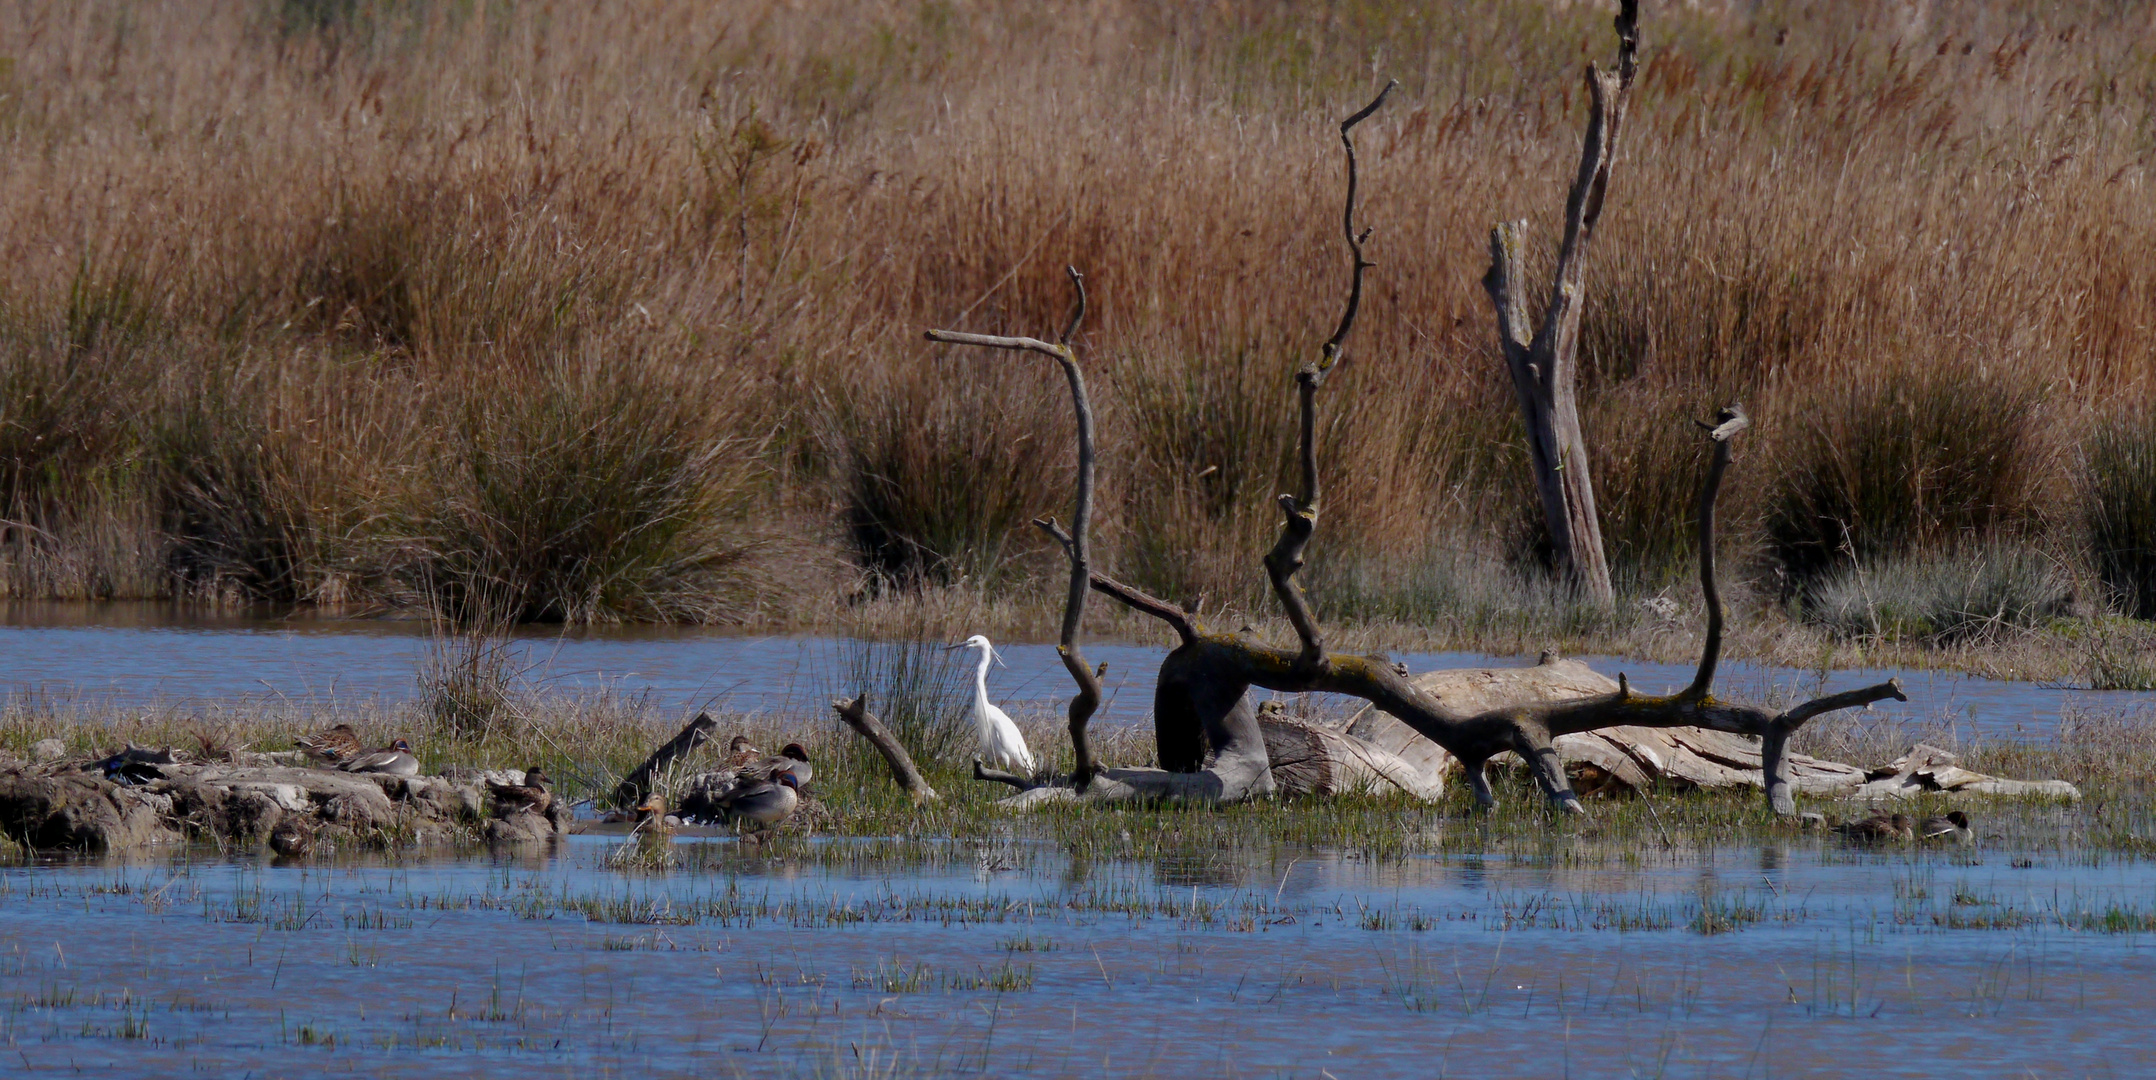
[
  {"x": 292, "y": 838},
  {"x": 765, "y": 803},
  {"x": 790, "y": 759},
  {"x": 531, "y": 795},
  {"x": 740, "y": 752},
  {"x": 394, "y": 760},
  {"x": 1876, "y": 829},
  {"x": 1954, "y": 826},
  {"x": 332, "y": 746}
]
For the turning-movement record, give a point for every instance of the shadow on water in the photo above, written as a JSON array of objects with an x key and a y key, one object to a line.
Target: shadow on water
[{"x": 1010, "y": 959}]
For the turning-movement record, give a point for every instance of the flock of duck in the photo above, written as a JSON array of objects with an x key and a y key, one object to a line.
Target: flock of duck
[
  {"x": 753, "y": 791},
  {"x": 1885, "y": 828}
]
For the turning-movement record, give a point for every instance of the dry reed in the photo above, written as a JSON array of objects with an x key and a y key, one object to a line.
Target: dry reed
[{"x": 617, "y": 310}]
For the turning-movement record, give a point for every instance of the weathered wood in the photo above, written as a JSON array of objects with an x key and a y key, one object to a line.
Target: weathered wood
[
  {"x": 1310, "y": 759},
  {"x": 1928, "y": 769},
  {"x": 864, "y": 723},
  {"x": 1542, "y": 361},
  {"x": 637, "y": 784}
]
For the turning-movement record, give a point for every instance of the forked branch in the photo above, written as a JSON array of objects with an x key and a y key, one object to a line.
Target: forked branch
[
  {"x": 1075, "y": 543},
  {"x": 1301, "y": 509}
]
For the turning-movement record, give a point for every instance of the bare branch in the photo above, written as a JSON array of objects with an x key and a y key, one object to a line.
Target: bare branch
[
  {"x": 1077, "y": 308},
  {"x": 998, "y": 776},
  {"x": 989, "y": 341},
  {"x": 637, "y": 784},
  {"x": 1075, "y": 543},
  {"x": 1146, "y": 603},
  {"x": 1331, "y": 351},
  {"x": 1847, "y": 699},
  {"x": 1541, "y": 357},
  {"x": 1728, "y": 423},
  {"x": 856, "y": 715}
]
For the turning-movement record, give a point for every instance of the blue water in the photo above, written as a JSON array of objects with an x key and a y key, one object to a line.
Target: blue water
[
  {"x": 1294, "y": 962},
  {"x": 135, "y": 654}
]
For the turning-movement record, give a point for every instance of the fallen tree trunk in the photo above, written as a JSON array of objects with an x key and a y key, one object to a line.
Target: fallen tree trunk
[{"x": 637, "y": 784}]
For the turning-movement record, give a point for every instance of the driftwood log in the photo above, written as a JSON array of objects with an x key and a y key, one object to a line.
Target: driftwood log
[
  {"x": 864, "y": 723},
  {"x": 635, "y": 786},
  {"x": 1541, "y": 356}
]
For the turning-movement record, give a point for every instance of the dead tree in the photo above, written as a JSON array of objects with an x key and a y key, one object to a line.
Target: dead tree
[
  {"x": 1542, "y": 356},
  {"x": 1076, "y": 543},
  {"x": 1209, "y": 739}
]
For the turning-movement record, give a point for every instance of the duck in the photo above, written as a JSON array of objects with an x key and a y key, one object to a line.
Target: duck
[
  {"x": 292, "y": 838},
  {"x": 1002, "y": 746},
  {"x": 531, "y": 795},
  {"x": 332, "y": 746},
  {"x": 740, "y": 752},
  {"x": 651, "y": 817},
  {"x": 1877, "y": 829},
  {"x": 393, "y": 760},
  {"x": 791, "y": 759},
  {"x": 1954, "y": 826},
  {"x": 764, "y": 803}
]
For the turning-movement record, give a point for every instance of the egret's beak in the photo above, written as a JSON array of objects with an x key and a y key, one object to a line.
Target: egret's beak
[{"x": 954, "y": 648}]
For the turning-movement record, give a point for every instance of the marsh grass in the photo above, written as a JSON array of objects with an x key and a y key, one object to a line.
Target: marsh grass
[
  {"x": 1993, "y": 592},
  {"x": 641, "y": 343}
]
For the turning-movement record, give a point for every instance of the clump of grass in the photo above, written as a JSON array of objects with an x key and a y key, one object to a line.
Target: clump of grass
[
  {"x": 578, "y": 493},
  {"x": 2118, "y": 480},
  {"x": 1944, "y": 600},
  {"x": 941, "y": 470},
  {"x": 919, "y": 689},
  {"x": 1924, "y": 461}
]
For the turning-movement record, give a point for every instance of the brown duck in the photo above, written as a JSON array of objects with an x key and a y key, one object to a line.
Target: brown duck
[
  {"x": 332, "y": 746},
  {"x": 740, "y": 752},
  {"x": 651, "y": 817},
  {"x": 292, "y": 838},
  {"x": 531, "y": 795},
  {"x": 1879, "y": 828}
]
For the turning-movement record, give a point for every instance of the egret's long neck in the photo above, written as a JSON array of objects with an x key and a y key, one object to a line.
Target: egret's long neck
[{"x": 980, "y": 678}]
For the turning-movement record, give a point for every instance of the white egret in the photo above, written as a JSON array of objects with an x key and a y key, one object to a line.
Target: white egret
[{"x": 1001, "y": 745}]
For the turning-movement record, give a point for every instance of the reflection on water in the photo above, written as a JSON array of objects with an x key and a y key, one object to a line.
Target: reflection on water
[
  {"x": 813, "y": 963},
  {"x": 144, "y": 653}
]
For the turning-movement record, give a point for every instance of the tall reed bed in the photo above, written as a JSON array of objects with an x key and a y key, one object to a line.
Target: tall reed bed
[{"x": 616, "y": 314}]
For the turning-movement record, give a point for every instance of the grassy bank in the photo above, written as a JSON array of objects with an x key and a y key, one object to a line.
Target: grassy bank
[{"x": 562, "y": 314}]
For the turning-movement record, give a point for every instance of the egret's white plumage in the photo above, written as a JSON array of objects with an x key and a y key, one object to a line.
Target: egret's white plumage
[{"x": 1002, "y": 746}]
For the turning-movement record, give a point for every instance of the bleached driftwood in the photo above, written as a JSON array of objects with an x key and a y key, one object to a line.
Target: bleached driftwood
[
  {"x": 1312, "y": 759},
  {"x": 1928, "y": 769}
]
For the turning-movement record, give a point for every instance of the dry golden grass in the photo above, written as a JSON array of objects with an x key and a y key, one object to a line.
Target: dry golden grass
[{"x": 615, "y": 310}]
